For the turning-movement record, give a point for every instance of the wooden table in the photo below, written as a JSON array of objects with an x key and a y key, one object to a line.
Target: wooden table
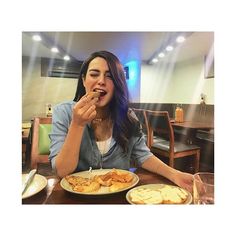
[
  {"x": 55, "y": 194},
  {"x": 191, "y": 127}
]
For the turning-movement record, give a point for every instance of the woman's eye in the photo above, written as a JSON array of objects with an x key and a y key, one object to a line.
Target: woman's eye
[
  {"x": 109, "y": 76},
  {"x": 93, "y": 75}
]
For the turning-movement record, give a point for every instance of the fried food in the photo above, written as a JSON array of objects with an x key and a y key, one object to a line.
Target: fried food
[
  {"x": 165, "y": 195},
  {"x": 77, "y": 180},
  {"x": 102, "y": 181},
  {"x": 116, "y": 176},
  {"x": 116, "y": 186},
  {"x": 94, "y": 94},
  {"x": 92, "y": 187},
  {"x": 114, "y": 180},
  {"x": 80, "y": 184}
]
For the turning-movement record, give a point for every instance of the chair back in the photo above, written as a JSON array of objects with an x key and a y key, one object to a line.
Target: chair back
[
  {"x": 141, "y": 115},
  {"x": 159, "y": 124},
  {"x": 40, "y": 141},
  {"x": 165, "y": 145}
]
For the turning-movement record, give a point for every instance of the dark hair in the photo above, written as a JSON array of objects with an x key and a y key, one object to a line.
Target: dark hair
[{"x": 124, "y": 125}]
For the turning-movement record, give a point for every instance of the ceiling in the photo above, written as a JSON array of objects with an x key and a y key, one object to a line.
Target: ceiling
[{"x": 126, "y": 45}]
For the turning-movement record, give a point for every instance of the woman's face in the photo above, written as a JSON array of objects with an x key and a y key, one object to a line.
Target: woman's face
[{"x": 98, "y": 78}]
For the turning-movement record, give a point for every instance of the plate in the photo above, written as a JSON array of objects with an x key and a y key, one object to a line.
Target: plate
[
  {"x": 157, "y": 187},
  {"x": 38, "y": 183},
  {"x": 103, "y": 190}
]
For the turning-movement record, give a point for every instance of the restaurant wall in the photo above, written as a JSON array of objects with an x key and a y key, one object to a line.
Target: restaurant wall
[
  {"x": 161, "y": 83},
  {"x": 37, "y": 91},
  {"x": 133, "y": 82},
  {"x": 176, "y": 83}
]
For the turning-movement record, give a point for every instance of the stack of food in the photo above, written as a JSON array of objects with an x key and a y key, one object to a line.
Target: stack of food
[
  {"x": 165, "y": 195},
  {"x": 114, "y": 180}
]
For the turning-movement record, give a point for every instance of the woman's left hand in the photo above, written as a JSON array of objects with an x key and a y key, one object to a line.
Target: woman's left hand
[{"x": 184, "y": 180}]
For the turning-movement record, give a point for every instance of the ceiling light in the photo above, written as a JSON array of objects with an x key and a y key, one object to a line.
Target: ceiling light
[
  {"x": 180, "y": 39},
  {"x": 66, "y": 58},
  {"x": 36, "y": 37},
  {"x": 154, "y": 60},
  {"x": 54, "y": 49},
  {"x": 169, "y": 48},
  {"x": 161, "y": 55}
]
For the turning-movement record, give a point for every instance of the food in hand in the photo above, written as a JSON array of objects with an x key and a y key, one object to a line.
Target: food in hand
[
  {"x": 94, "y": 94},
  {"x": 114, "y": 180},
  {"x": 165, "y": 195}
]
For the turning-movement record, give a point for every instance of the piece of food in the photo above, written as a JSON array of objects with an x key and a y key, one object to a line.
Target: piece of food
[
  {"x": 102, "y": 181},
  {"x": 94, "y": 94},
  {"x": 165, "y": 195},
  {"x": 146, "y": 196},
  {"x": 114, "y": 180},
  {"x": 116, "y": 176},
  {"x": 173, "y": 195},
  {"x": 92, "y": 187},
  {"x": 80, "y": 184},
  {"x": 77, "y": 180},
  {"x": 116, "y": 186},
  {"x": 101, "y": 91}
]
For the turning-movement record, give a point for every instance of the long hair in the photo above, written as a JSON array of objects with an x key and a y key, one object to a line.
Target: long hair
[{"x": 124, "y": 125}]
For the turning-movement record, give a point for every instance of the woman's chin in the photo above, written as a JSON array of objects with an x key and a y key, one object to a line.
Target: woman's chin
[{"x": 101, "y": 102}]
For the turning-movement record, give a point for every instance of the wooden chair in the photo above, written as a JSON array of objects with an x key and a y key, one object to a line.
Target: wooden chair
[
  {"x": 140, "y": 113},
  {"x": 40, "y": 141},
  {"x": 164, "y": 144}
]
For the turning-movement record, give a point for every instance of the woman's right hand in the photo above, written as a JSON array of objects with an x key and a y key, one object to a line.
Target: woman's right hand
[{"x": 84, "y": 110}]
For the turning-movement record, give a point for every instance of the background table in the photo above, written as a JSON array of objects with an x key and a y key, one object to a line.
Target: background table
[{"x": 191, "y": 128}]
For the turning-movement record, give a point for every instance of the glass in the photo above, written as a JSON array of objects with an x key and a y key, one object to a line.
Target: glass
[{"x": 203, "y": 188}]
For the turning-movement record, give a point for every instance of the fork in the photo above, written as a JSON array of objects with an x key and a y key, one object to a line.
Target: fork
[{"x": 90, "y": 172}]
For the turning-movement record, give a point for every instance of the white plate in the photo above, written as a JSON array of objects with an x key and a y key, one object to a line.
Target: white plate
[
  {"x": 103, "y": 190},
  {"x": 156, "y": 187},
  {"x": 38, "y": 183}
]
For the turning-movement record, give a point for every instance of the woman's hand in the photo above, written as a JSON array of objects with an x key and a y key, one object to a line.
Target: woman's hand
[
  {"x": 183, "y": 180},
  {"x": 84, "y": 110}
]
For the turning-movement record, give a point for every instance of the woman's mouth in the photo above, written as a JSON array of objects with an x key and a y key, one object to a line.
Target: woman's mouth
[{"x": 101, "y": 91}]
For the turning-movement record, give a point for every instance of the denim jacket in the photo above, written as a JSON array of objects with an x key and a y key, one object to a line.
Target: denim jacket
[{"x": 90, "y": 155}]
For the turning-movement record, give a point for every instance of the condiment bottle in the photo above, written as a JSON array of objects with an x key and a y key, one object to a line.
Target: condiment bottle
[
  {"x": 177, "y": 114},
  {"x": 181, "y": 114}
]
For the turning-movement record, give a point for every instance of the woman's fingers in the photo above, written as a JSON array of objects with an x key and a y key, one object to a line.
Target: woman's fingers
[
  {"x": 85, "y": 110},
  {"x": 86, "y": 101}
]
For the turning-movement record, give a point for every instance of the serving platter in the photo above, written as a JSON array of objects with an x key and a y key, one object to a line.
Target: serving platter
[
  {"x": 103, "y": 190},
  {"x": 157, "y": 187}
]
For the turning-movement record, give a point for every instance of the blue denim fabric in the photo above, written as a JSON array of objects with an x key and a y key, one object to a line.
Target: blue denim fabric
[{"x": 89, "y": 153}]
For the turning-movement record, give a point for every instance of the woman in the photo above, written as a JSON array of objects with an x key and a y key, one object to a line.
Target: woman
[{"x": 98, "y": 130}]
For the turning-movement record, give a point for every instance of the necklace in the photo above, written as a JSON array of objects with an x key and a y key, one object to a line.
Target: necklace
[{"x": 99, "y": 120}]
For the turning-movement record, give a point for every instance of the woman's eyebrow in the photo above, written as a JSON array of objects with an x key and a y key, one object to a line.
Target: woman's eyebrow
[{"x": 95, "y": 70}]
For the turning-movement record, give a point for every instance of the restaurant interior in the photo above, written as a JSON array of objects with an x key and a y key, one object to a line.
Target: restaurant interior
[{"x": 170, "y": 78}]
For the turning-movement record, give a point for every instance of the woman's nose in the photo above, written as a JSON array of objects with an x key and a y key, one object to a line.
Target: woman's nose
[{"x": 101, "y": 79}]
